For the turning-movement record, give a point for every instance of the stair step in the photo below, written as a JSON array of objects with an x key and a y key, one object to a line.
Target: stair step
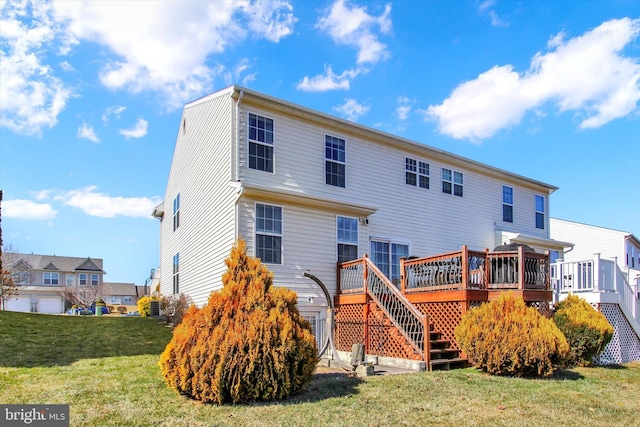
[{"x": 446, "y": 364}]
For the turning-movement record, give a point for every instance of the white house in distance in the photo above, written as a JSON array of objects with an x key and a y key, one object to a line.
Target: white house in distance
[
  {"x": 306, "y": 190},
  {"x": 604, "y": 268}
]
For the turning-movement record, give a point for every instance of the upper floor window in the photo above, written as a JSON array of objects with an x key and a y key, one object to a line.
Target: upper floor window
[
  {"x": 260, "y": 143},
  {"x": 51, "y": 279},
  {"x": 452, "y": 182},
  {"x": 507, "y": 203},
  {"x": 176, "y": 273},
  {"x": 269, "y": 233},
  {"x": 21, "y": 277},
  {"x": 539, "y": 212},
  {"x": 416, "y": 173},
  {"x": 94, "y": 280},
  {"x": 176, "y": 212},
  {"x": 70, "y": 280},
  {"x": 347, "y": 237},
  {"x": 82, "y": 277},
  {"x": 335, "y": 161}
]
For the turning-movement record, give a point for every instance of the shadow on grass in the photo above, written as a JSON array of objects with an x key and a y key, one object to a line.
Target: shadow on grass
[{"x": 30, "y": 340}]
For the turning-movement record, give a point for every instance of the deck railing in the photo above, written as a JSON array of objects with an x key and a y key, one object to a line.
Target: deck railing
[
  {"x": 518, "y": 270},
  {"x": 363, "y": 275}
]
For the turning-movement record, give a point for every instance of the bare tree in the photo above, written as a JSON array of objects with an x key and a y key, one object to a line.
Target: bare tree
[{"x": 81, "y": 296}]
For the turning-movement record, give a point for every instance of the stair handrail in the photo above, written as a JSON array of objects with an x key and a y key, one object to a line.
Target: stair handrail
[{"x": 421, "y": 348}]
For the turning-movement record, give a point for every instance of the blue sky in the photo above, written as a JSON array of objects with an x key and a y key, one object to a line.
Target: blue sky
[{"x": 91, "y": 96}]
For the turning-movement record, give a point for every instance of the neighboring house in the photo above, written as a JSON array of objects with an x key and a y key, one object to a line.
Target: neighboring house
[
  {"x": 604, "y": 268},
  {"x": 307, "y": 190},
  {"x": 121, "y": 297},
  {"x": 44, "y": 282}
]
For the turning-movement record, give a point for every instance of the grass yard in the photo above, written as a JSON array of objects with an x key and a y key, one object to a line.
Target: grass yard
[{"x": 106, "y": 369}]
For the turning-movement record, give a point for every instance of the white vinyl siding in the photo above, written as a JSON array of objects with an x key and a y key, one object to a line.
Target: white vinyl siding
[{"x": 200, "y": 172}]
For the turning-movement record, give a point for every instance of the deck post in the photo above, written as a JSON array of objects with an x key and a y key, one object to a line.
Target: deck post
[
  {"x": 521, "y": 264},
  {"x": 465, "y": 267},
  {"x": 487, "y": 269},
  {"x": 365, "y": 329},
  {"x": 427, "y": 341},
  {"x": 403, "y": 277},
  {"x": 339, "y": 268}
]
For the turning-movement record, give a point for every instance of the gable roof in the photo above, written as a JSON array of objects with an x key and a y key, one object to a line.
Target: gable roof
[
  {"x": 122, "y": 289},
  {"x": 59, "y": 263}
]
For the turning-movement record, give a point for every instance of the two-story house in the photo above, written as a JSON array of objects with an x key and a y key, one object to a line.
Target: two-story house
[
  {"x": 307, "y": 190},
  {"x": 604, "y": 268},
  {"x": 47, "y": 283}
]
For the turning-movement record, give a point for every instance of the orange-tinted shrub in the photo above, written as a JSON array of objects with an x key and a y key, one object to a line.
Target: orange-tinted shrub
[
  {"x": 506, "y": 337},
  {"x": 247, "y": 343},
  {"x": 587, "y": 330}
]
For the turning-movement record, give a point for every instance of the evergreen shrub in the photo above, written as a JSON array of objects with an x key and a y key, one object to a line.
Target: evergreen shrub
[
  {"x": 505, "y": 337},
  {"x": 144, "y": 306},
  {"x": 587, "y": 330},
  {"x": 248, "y": 343}
]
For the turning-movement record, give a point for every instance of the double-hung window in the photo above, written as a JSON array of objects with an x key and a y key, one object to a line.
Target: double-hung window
[
  {"x": 260, "y": 143},
  {"x": 335, "y": 164},
  {"x": 507, "y": 203},
  {"x": 347, "y": 238},
  {"x": 539, "y": 212},
  {"x": 94, "y": 280},
  {"x": 176, "y": 273},
  {"x": 452, "y": 182},
  {"x": 386, "y": 256},
  {"x": 82, "y": 277},
  {"x": 416, "y": 173},
  {"x": 51, "y": 279},
  {"x": 176, "y": 212},
  {"x": 269, "y": 233}
]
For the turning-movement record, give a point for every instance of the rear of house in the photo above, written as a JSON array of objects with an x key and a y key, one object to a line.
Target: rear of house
[{"x": 306, "y": 190}]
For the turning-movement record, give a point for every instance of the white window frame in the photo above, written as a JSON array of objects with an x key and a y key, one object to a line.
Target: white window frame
[
  {"x": 455, "y": 186},
  {"x": 53, "y": 278},
  {"x": 416, "y": 173},
  {"x": 539, "y": 213},
  {"x": 176, "y": 212},
  {"x": 328, "y": 159},
  {"x": 70, "y": 280},
  {"x": 265, "y": 143},
  {"x": 82, "y": 277},
  {"x": 270, "y": 232},
  {"x": 176, "y": 273},
  {"x": 97, "y": 279},
  {"x": 343, "y": 239},
  {"x": 390, "y": 261},
  {"x": 507, "y": 202}
]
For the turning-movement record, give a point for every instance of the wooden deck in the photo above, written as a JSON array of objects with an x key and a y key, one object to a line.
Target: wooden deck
[{"x": 441, "y": 288}]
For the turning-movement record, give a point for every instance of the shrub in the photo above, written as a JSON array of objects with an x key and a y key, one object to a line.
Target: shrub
[
  {"x": 174, "y": 307},
  {"x": 248, "y": 343},
  {"x": 505, "y": 337},
  {"x": 587, "y": 330},
  {"x": 144, "y": 306}
]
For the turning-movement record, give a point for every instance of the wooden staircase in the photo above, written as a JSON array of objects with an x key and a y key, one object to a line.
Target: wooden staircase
[{"x": 443, "y": 357}]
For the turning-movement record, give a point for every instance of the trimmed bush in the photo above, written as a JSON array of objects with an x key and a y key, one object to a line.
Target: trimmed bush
[
  {"x": 505, "y": 337},
  {"x": 144, "y": 306},
  {"x": 248, "y": 343},
  {"x": 587, "y": 330}
]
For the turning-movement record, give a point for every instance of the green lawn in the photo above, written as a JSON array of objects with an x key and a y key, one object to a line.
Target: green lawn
[{"x": 106, "y": 369}]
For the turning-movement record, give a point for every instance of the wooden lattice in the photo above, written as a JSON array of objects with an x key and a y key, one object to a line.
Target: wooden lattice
[
  {"x": 444, "y": 317},
  {"x": 625, "y": 344},
  {"x": 349, "y": 324},
  {"x": 385, "y": 339},
  {"x": 543, "y": 307}
]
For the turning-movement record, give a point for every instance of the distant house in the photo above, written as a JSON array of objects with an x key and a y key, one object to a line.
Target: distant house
[
  {"x": 604, "y": 268},
  {"x": 50, "y": 283},
  {"x": 310, "y": 192},
  {"x": 122, "y": 297}
]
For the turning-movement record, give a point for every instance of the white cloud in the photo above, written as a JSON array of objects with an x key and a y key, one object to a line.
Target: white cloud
[
  {"x": 137, "y": 131},
  {"x": 156, "y": 50},
  {"x": 486, "y": 5},
  {"x": 26, "y": 209},
  {"x": 328, "y": 81},
  {"x": 115, "y": 110},
  {"x": 31, "y": 96},
  {"x": 85, "y": 131},
  {"x": 404, "y": 108},
  {"x": 94, "y": 203},
  {"x": 353, "y": 26},
  {"x": 351, "y": 109},
  {"x": 65, "y": 66},
  {"x": 586, "y": 74}
]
